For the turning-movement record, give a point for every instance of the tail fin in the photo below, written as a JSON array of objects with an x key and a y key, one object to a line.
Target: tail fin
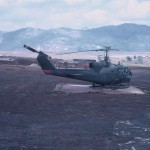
[
  {"x": 45, "y": 64},
  {"x": 42, "y": 58}
]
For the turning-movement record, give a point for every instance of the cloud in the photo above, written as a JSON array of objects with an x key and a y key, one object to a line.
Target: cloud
[
  {"x": 130, "y": 8},
  {"x": 32, "y": 1},
  {"x": 97, "y": 15},
  {"x": 138, "y": 9},
  {"x": 3, "y": 3},
  {"x": 73, "y": 2},
  {"x": 72, "y": 13},
  {"x": 8, "y": 3}
]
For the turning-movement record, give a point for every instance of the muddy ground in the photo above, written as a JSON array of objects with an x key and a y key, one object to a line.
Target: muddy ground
[{"x": 34, "y": 116}]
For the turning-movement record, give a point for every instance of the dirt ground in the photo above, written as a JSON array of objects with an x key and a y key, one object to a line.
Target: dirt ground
[{"x": 35, "y": 117}]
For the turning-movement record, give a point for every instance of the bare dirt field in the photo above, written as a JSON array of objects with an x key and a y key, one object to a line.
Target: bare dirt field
[{"x": 35, "y": 117}]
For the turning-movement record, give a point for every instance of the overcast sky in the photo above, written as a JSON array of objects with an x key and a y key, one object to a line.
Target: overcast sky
[{"x": 46, "y": 14}]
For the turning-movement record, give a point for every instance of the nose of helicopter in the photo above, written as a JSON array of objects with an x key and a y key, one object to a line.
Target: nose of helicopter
[{"x": 128, "y": 76}]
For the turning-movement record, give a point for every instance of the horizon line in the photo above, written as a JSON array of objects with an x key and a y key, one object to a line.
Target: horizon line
[{"x": 82, "y": 28}]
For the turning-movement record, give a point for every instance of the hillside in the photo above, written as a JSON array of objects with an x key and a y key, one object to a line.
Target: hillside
[{"x": 130, "y": 37}]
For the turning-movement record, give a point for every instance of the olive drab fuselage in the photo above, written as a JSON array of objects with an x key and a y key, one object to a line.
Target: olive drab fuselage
[
  {"x": 102, "y": 72},
  {"x": 105, "y": 75}
]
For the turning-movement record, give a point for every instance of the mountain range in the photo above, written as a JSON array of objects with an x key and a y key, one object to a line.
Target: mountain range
[{"x": 126, "y": 37}]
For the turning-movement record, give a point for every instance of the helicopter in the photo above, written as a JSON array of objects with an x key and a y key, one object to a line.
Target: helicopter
[{"x": 100, "y": 73}]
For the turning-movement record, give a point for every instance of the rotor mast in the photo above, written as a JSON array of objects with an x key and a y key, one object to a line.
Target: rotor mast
[{"x": 106, "y": 57}]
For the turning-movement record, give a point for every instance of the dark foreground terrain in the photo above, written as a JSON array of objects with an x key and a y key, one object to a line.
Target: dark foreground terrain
[{"x": 33, "y": 116}]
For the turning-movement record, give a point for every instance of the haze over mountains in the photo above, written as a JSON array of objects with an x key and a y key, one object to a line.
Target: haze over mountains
[{"x": 127, "y": 37}]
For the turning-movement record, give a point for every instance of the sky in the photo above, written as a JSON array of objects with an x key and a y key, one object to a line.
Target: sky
[{"x": 77, "y": 14}]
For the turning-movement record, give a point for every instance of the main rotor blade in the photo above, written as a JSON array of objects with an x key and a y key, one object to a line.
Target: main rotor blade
[
  {"x": 31, "y": 49},
  {"x": 82, "y": 51},
  {"x": 108, "y": 48},
  {"x": 114, "y": 49}
]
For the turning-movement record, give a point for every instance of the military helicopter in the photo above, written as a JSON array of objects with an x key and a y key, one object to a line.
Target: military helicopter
[{"x": 100, "y": 73}]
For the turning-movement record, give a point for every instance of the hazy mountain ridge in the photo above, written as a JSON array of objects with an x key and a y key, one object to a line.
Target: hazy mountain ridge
[{"x": 125, "y": 37}]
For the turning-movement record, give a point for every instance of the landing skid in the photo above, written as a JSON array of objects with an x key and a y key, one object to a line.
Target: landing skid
[
  {"x": 119, "y": 86},
  {"x": 97, "y": 85},
  {"x": 112, "y": 86}
]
